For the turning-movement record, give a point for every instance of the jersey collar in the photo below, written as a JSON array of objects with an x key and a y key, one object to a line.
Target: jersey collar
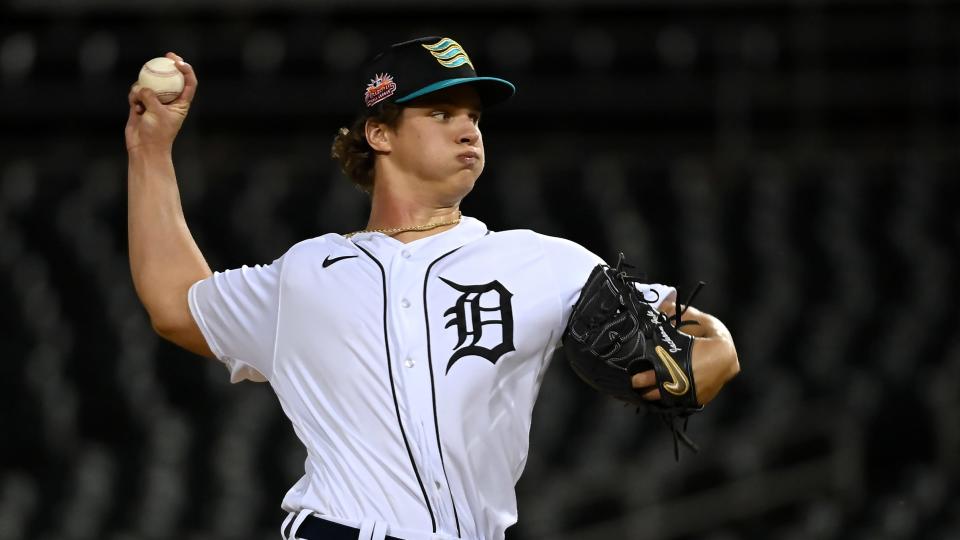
[{"x": 468, "y": 230}]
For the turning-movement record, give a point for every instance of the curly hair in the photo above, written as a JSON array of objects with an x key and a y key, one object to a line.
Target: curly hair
[{"x": 352, "y": 151}]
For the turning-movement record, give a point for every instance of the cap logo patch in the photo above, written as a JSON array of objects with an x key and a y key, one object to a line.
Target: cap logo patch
[
  {"x": 449, "y": 53},
  {"x": 380, "y": 88}
]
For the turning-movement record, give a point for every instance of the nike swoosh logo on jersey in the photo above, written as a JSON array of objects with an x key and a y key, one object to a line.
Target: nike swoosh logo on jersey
[
  {"x": 328, "y": 261},
  {"x": 679, "y": 385}
]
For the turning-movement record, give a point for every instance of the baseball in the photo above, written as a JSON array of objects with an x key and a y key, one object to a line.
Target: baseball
[{"x": 162, "y": 76}]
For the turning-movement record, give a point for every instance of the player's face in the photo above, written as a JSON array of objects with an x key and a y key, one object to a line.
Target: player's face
[{"x": 438, "y": 139}]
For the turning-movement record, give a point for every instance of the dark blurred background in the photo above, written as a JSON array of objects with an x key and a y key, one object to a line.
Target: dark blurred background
[{"x": 800, "y": 156}]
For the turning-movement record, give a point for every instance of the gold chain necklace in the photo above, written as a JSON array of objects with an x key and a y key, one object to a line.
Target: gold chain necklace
[{"x": 415, "y": 228}]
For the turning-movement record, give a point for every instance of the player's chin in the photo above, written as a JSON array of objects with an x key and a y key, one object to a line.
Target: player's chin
[
  {"x": 467, "y": 176},
  {"x": 464, "y": 185}
]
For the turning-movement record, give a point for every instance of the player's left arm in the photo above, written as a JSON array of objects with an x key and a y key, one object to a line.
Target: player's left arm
[{"x": 715, "y": 358}]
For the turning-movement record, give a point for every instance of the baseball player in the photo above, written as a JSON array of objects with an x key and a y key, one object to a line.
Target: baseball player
[{"x": 407, "y": 355}]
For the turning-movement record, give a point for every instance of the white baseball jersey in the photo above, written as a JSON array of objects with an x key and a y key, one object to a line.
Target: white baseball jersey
[{"x": 409, "y": 371}]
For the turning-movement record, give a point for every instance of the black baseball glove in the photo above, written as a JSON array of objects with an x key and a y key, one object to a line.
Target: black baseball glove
[{"x": 615, "y": 333}]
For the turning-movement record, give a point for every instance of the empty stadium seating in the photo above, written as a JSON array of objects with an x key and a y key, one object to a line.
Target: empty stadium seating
[{"x": 800, "y": 157}]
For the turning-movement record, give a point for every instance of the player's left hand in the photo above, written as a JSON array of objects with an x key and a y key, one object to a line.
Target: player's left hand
[
  {"x": 623, "y": 346},
  {"x": 714, "y": 363}
]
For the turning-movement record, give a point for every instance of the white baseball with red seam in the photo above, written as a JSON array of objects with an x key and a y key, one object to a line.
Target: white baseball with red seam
[{"x": 162, "y": 76}]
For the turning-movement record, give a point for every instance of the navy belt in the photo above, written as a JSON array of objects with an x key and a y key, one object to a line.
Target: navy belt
[{"x": 314, "y": 528}]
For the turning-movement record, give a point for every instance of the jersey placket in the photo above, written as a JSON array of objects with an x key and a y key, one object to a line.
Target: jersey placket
[{"x": 413, "y": 381}]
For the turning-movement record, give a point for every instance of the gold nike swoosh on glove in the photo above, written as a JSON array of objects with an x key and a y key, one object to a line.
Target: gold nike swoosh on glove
[{"x": 679, "y": 385}]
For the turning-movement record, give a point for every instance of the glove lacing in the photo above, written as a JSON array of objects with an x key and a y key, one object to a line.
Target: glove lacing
[{"x": 670, "y": 420}]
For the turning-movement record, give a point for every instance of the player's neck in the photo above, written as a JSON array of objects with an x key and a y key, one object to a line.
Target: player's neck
[{"x": 397, "y": 212}]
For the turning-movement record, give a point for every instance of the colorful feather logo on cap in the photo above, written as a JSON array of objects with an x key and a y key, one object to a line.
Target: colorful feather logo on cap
[{"x": 449, "y": 53}]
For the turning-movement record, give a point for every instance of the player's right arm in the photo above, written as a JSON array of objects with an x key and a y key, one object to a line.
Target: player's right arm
[{"x": 164, "y": 259}]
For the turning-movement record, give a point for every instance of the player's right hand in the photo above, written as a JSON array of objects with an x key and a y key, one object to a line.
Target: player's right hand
[{"x": 153, "y": 124}]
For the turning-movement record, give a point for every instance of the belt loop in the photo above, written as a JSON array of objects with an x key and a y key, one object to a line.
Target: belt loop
[
  {"x": 366, "y": 530},
  {"x": 372, "y": 530},
  {"x": 302, "y": 515},
  {"x": 379, "y": 530}
]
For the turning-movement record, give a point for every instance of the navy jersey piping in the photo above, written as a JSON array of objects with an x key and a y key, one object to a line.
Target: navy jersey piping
[
  {"x": 393, "y": 389},
  {"x": 433, "y": 390}
]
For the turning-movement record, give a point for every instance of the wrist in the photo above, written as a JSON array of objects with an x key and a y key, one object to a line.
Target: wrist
[{"x": 150, "y": 151}]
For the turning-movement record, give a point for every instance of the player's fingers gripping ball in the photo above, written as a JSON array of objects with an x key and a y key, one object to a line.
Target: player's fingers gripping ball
[
  {"x": 162, "y": 76},
  {"x": 615, "y": 333}
]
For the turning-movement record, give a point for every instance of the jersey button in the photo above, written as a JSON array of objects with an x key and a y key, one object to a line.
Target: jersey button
[
  {"x": 405, "y": 303},
  {"x": 409, "y": 362},
  {"x": 405, "y": 254}
]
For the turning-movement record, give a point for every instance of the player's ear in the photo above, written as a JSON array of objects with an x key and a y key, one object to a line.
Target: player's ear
[{"x": 377, "y": 135}]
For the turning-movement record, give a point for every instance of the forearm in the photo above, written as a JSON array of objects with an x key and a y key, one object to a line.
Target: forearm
[
  {"x": 706, "y": 325},
  {"x": 164, "y": 259}
]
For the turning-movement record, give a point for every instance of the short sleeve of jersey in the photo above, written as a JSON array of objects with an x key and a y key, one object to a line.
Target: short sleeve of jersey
[
  {"x": 572, "y": 264},
  {"x": 237, "y": 313}
]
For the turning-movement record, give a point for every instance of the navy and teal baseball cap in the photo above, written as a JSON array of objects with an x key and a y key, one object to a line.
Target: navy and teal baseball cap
[{"x": 420, "y": 66}]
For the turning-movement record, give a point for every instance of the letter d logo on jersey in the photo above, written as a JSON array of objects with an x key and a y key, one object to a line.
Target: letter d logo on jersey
[{"x": 480, "y": 306}]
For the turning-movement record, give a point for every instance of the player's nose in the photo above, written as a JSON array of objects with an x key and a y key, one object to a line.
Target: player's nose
[{"x": 469, "y": 133}]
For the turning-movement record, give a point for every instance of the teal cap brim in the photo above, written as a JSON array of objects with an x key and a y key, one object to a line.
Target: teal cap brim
[{"x": 492, "y": 90}]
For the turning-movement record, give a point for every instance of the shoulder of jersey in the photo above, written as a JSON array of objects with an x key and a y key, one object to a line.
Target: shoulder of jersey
[
  {"x": 529, "y": 236},
  {"x": 319, "y": 244},
  {"x": 514, "y": 234},
  {"x": 556, "y": 245},
  {"x": 541, "y": 241}
]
